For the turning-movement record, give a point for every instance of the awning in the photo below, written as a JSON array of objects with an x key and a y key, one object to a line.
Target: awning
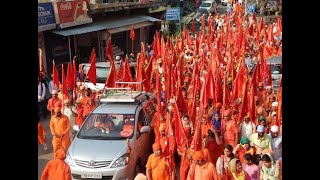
[
  {"x": 128, "y": 27},
  {"x": 108, "y": 24}
]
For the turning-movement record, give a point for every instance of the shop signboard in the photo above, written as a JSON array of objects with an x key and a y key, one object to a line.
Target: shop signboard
[
  {"x": 46, "y": 19},
  {"x": 72, "y": 13}
]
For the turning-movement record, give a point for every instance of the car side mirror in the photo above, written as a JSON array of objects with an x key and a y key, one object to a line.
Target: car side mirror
[
  {"x": 145, "y": 129},
  {"x": 75, "y": 127}
]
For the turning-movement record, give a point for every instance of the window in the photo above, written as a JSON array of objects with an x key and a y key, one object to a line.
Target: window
[
  {"x": 150, "y": 109},
  {"x": 107, "y": 126},
  {"x": 141, "y": 120}
]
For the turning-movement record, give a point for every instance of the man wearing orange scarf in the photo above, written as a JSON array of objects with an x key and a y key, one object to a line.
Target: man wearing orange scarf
[
  {"x": 201, "y": 169},
  {"x": 156, "y": 167}
]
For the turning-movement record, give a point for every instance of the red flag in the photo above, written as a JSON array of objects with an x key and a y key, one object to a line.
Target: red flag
[
  {"x": 127, "y": 77},
  {"x": 244, "y": 103},
  {"x": 218, "y": 94},
  {"x": 178, "y": 128},
  {"x": 132, "y": 34},
  {"x": 120, "y": 71},
  {"x": 74, "y": 72},
  {"x": 69, "y": 78},
  {"x": 109, "y": 48},
  {"x": 226, "y": 94},
  {"x": 55, "y": 75},
  {"x": 238, "y": 84},
  {"x": 269, "y": 75},
  {"x": 93, "y": 52},
  {"x": 64, "y": 84},
  {"x": 261, "y": 24},
  {"x": 197, "y": 139},
  {"x": 158, "y": 89},
  {"x": 92, "y": 74},
  {"x": 264, "y": 66},
  {"x": 210, "y": 87},
  {"x": 252, "y": 105},
  {"x": 181, "y": 102},
  {"x": 111, "y": 79},
  {"x": 149, "y": 68},
  {"x": 255, "y": 78},
  {"x": 193, "y": 26}
]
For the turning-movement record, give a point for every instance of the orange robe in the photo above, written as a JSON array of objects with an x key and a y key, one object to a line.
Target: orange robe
[
  {"x": 229, "y": 131},
  {"x": 57, "y": 168},
  {"x": 204, "y": 129},
  {"x": 158, "y": 167},
  {"x": 79, "y": 118},
  {"x": 52, "y": 103},
  {"x": 214, "y": 150},
  {"x": 206, "y": 172},
  {"x": 172, "y": 142},
  {"x": 60, "y": 126},
  {"x": 185, "y": 162},
  {"x": 41, "y": 134},
  {"x": 87, "y": 109}
]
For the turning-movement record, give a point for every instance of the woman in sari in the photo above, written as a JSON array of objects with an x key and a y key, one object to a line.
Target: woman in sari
[{"x": 236, "y": 171}]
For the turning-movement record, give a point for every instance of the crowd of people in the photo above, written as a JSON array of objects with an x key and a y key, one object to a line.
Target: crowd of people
[{"x": 215, "y": 116}]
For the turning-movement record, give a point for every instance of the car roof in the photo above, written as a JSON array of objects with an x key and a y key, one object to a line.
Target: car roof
[
  {"x": 275, "y": 60},
  {"x": 116, "y": 108}
]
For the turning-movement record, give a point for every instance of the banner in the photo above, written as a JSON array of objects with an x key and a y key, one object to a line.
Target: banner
[
  {"x": 46, "y": 18},
  {"x": 72, "y": 13}
]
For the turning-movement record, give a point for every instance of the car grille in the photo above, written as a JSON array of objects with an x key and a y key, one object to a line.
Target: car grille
[
  {"x": 77, "y": 176},
  {"x": 97, "y": 164}
]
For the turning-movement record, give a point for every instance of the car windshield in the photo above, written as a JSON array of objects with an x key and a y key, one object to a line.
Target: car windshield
[
  {"x": 107, "y": 126},
  {"x": 102, "y": 73},
  {"x": 205, "y": 5}
]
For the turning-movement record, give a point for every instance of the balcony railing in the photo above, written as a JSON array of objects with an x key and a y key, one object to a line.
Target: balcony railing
[{"x": 118, "y": 5}]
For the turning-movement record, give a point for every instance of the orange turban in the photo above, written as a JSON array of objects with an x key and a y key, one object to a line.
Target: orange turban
[
  {"x": 156, "y": 146},
  {"x": 260, "y": 84},
  {"x": 198, "y": 155},
  {"x": 227, "y": 112},
  {"x": 162, "y": 127},
  {"x": 57, "y": 109},
  {"x": 218, "y": 105}
]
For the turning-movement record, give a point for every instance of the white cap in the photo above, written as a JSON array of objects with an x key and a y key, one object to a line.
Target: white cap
[
  {"x": 275, "y": 104},
  {"x": 54, "y": 92},
  {"x": 274, "y": 129},
  {"x": 273, "y": 113},
  {"x": 268, "y": 87},
  {"x": 117, "y": 57},
  {"x": 260, "y": 128}
]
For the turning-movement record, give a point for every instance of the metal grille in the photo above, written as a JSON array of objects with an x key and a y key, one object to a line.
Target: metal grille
[
  {"x": 96, "y": 164},
  {"x": 77, "y": 176}
]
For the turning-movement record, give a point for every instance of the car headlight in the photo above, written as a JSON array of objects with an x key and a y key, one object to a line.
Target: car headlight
[
  {"x": 121, "y": 161},
  {"x": 69, "y": 160}
]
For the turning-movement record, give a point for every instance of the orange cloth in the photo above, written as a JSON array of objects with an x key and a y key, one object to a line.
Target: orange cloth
[
  {"x": 52, "y": 103},
  {"x": 87, "y": 109},
  {"x": 205, "y": 172},
  {"x": 41, "y": 134},
  {"x": 158, "y": 167},
  {"x": 214, "y": 150},
  {"x": 185, "y": 162},
  {"x": 79, "y": 118},
  {"x": 62, "y": 96},
  {"x": 172, "y": 141},
  {"x": 57, "y": 168},
  {"x": 204, "y": 129},
  {"x": 206, "y": 154},
  {"x": 230, "y": 130},
  {"x": 156, "y": 124},
  {"x": 60, "y": 126}
]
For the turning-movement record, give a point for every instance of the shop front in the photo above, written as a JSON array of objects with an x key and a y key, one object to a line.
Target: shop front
[{"x": 46, "y": 21}]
